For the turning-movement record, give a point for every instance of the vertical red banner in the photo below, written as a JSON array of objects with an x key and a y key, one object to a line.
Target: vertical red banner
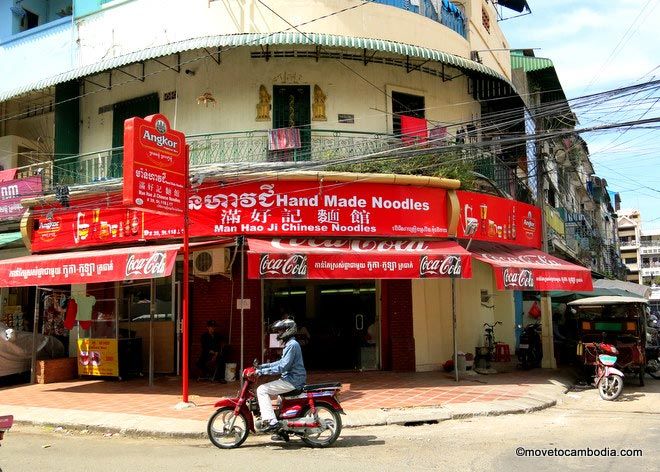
[{"x": 154, "y": 165}]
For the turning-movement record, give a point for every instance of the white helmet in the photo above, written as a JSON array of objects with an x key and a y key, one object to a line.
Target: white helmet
[{"x": 285, "y": 329}]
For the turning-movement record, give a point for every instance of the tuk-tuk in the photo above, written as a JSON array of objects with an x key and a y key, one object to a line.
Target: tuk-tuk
[{"x": 619, "y": 321}]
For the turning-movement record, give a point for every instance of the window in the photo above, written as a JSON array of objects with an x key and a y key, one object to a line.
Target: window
[
  {"x": 406, "y": 104},
  {"x": 630, "y": 260},
  {"x": 485, "y": 19}
]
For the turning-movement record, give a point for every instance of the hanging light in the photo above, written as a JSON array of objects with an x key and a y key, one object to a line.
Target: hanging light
[{"x": 206, "y": 98}]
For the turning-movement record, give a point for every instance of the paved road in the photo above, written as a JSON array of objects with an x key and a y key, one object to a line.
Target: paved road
[{"x": 581, "y": 421}]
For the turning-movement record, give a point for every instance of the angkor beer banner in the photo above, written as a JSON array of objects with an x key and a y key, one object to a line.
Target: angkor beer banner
[
  {"x": 531, "y": 269},
  {"x": 266, "y": 208},
  {"x": 356, "y": 259},
  {"x": 89, "y": 267},
  {"x": 499, "y": 220},
  {"x": 154, "y": 165},
  {"x": 11, "y": 193}
]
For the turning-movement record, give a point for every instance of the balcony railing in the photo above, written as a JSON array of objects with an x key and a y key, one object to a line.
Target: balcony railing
[
  {"x": 504, "y": 177},
  {"x": 442, "y": 11},
  {"x": 249, "y": 147}
]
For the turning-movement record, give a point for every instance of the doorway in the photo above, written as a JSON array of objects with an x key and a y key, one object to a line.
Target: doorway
[
  {"x": 406, "y": 104},
  {"x": 291, "y": 108},
  {"x": 340, "y": 317},
  {"x": 121, "y": 111}
]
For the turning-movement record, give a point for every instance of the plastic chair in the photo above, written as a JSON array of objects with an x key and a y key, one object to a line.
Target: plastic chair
[{"x": 502, "y": 353}]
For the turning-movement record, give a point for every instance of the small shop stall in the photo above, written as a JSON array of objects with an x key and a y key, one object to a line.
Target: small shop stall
[{"x": 109, "y": 319}]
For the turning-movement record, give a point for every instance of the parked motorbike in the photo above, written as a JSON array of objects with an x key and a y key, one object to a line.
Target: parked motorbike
[
  {"x": 607, "y": 379},
  {"x": 312, "y": 413},
  {"x": 530, "y": 351},
  {"x": 6, "y": 422}
]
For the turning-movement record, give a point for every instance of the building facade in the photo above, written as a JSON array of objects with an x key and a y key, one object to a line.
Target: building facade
[{"x": 348, "y": 81}]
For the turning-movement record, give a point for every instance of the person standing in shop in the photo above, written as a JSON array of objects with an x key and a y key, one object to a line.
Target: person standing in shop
[
  {"x": 54, "y": 314},
  {"x": 211, "y": 361}
]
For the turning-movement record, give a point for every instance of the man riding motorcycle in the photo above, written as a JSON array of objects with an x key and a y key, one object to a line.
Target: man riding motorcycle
[{"x": 290, "y": 366}]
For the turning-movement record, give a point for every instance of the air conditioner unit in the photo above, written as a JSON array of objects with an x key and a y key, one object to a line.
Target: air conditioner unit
[{"x": 211, "y": 261}]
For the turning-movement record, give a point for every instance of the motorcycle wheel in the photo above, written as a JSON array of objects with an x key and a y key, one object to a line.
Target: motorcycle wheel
[
  {"x": 225, "y": 430},
  {"x": 327, "y": 437},
  {"x": 610, "y": 387}
]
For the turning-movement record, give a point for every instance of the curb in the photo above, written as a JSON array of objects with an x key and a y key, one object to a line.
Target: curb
[{"x": 196, "y": 429}]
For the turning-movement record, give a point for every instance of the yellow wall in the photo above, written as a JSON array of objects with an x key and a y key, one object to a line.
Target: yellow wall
[
  {"x": 126, "y": 30},
  {"x": 432, "y": 319},
  {"x": 235, "y": 85}
]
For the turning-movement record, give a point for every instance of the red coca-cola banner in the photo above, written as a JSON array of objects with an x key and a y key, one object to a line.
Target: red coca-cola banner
[
  {"x": 356, "y": 259},
  {"x": 287, "y": 208},
  {"x": 154, "y": 165},
  {"x": 11, "y": 193},
  {"x": 531, "y": 269},
  {"x": 499, "y": 220},
  {"x": 89, "y": 267}
]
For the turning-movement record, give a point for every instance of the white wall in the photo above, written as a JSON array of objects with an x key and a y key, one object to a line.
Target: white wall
[
  {"x": 235, "y": 85},
  {"x": 432, "y": 317}
]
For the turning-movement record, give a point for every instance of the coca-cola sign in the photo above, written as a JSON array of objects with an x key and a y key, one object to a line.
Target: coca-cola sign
[
  {"x": 152, "y": 266},
  {"x": 440, "y": 266},
  {"x": 288, "y": 266},
  {"x": 521, "y": 279},
  {"x": 89, "y": 267},
  {"x": 352, "y": 259}
]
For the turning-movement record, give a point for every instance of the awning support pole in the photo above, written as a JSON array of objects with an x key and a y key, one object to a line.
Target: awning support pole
[
  {"x": 453, "y": 326},
  {"x": 547, "y": 335},
  {"x": 35, "y": 326},
  {"x": 184, "y": 297},
  {"x": 152, "y": 312},
  {"x": 241, "y": 246}
]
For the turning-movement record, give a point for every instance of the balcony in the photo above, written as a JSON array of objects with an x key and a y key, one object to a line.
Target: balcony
[
  {"x": 650, "y": 271},
  {"x": 649, "y": 247},
  {"x": 446, "y": 12},
  {"x": 503, "y": 176},
  {"x": 628, "y": 244},
  {"x": 249, "y": 148}
]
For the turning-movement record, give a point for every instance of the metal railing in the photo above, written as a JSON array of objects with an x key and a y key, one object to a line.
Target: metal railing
[
  {"x": 504, "y": 177},
  {"x": 442, "y": 11},
  {"x": 218, "y": 148}
]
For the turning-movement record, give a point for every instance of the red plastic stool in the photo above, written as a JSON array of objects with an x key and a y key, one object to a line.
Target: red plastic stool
[{"x": 502, "y": 353}]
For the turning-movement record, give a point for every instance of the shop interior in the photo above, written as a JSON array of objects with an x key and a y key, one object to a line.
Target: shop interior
[{"x": 337, "y": 321}]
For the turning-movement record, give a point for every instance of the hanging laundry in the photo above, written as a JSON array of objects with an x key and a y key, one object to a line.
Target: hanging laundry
[
  {"x": 413, "y": 130},
  {"x": 280, "y": 139},
  {"x": 71, "y": 313},
  {"x": 85, "y": 305}
]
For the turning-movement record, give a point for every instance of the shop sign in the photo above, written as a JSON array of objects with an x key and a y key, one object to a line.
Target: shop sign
[
  {"x": 554, "y": 221},
  {"x": 11, "y": 193},
  {"x": 355, "y": 259},
  {"x": 542, "y": 279},
  {"x": 288, "y": 208},
  {"x": 98, "y": 357},
  {"x": 154, "y": 165},
  {"x": 89, "y": 267},
  {"x": 499, "y": 220}
]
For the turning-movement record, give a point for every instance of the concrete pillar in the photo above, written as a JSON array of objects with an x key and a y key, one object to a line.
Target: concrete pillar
[{"x": 547, "y": 335}]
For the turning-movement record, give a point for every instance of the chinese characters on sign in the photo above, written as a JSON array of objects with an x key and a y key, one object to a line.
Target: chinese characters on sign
[
  {"x": 154, "y": 165},
  {"x": 288, "y": 208}
]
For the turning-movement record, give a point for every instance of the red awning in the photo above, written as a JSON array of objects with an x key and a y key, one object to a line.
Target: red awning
[
  {"x": 108, "y": 265},
  {"x": 356, "y": 259},
  {"x": 530, "y": 269}
]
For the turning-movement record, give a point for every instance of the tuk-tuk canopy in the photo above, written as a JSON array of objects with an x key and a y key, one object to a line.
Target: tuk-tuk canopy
[{"x": 607, "y": 300}]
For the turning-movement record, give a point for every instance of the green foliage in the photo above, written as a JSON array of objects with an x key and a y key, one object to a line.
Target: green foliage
[{"x": 449, "y": 165}]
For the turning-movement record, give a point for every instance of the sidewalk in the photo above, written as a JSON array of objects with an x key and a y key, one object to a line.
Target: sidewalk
[{"x": 368, "y": 398}]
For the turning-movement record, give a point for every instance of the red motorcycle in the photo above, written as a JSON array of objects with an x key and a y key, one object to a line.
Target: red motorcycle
[
  {"x": 312, "y": 413},
  {"x": 5, "y": 423}
]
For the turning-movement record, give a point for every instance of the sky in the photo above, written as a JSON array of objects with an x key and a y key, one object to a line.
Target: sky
[{"x": 599, "y": 45}]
